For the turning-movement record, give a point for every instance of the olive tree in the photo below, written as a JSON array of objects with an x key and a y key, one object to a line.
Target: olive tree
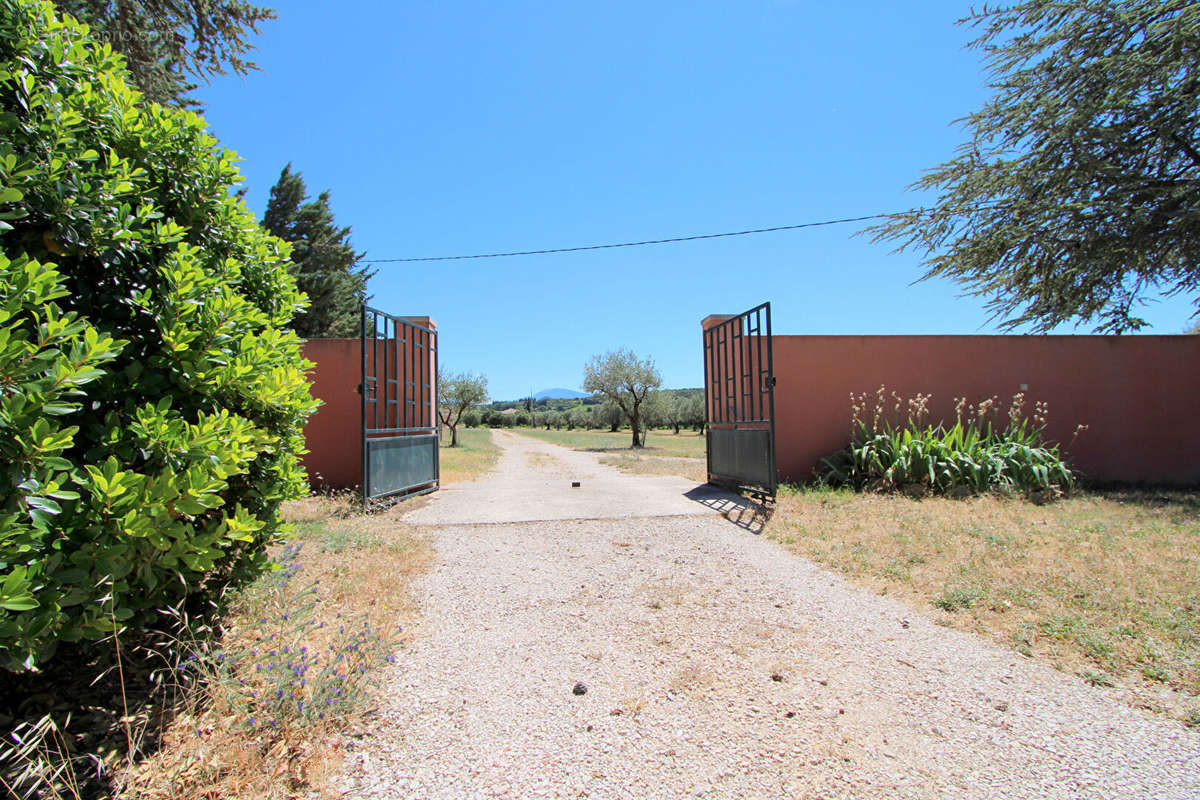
[
  {"x": 694, "y": 412},
  {"x": 676, "y": 412},
  {"x": 626, "y": 381},
  {"x": 457, "y": 393},
  {"x": 609, "y": 415},
  {"x": 578, "y": 417}
]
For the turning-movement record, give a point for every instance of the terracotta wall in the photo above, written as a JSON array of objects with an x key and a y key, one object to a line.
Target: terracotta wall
[
  {"x": 333, "y": 435},
  {"x": 1138, "y": 395}
]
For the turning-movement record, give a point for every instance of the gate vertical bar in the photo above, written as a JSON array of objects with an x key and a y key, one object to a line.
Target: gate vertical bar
[
  {"x": 770, "y": 379},
  {"x": 362, "y": 390}
]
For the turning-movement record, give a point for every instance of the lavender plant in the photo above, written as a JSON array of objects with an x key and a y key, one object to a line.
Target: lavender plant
[{"x": 289, "y": 666}]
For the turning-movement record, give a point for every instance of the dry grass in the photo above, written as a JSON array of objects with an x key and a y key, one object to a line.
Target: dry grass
[
  {"x": 1103, "y": 585},
  {"x": 695, "y": 469},
  {"x": 686, "y": 444},
  {"x": 364, "y": 565},
  {"x": 543, "y": 461},
  {"x": 475, "y": 455}
]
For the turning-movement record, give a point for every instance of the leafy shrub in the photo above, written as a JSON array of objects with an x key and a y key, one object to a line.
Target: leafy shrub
[
  {"x": 151, "y": 404},
  {"x": 972, "y": 455}
]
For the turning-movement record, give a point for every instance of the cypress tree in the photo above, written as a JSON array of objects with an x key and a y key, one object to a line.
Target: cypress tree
[{"x": 324, "y": 261}]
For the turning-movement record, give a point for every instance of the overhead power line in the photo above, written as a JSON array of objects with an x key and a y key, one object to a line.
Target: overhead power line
[{"x": 629, "y": 244}]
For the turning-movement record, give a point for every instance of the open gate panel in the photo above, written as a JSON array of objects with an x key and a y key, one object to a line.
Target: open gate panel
[
  {"x": 739, "y": 388},
  {"x": 399, "y": 411}
]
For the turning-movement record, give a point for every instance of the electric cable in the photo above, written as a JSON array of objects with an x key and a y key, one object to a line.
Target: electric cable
[{"x": 670, "y": 240}]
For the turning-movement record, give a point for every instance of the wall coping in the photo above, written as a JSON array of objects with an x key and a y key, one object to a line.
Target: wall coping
[{"x": 712, "y": 320}]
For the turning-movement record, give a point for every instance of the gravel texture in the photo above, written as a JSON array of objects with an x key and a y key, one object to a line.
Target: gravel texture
[{"x": 716, "y": 665}]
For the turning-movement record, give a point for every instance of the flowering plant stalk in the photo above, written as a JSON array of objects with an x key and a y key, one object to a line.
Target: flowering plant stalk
[{"x": 895, "y": 447}]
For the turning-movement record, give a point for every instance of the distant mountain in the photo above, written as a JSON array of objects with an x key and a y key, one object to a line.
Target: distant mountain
[{"x": 559, "y": 394}]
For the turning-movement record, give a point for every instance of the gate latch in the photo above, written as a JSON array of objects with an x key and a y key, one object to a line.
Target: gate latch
[{"x": 769, "y": 382}]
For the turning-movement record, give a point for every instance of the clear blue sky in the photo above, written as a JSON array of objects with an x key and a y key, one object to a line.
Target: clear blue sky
[{"x": 447, "y": 128}]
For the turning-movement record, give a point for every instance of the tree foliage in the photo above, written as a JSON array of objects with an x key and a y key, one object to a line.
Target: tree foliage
[
  {"x": 166, "y": 43},
  {"x": 626, "y": 381},
  {"x": 656, "y": 410},
  {"x": 456, "y": 394},
  {"x": 324, "y": 261},
  {"x": 1077, "y": 192},
  {"x": 609, "y": 415},
  {"x": 151, "y": 401},
  {"x": 578, "y": 417}
]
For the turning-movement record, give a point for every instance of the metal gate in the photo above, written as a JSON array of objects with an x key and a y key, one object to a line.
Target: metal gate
[
  {"x": 739, "y": 388},
  {"x": 399, "y": 407}
]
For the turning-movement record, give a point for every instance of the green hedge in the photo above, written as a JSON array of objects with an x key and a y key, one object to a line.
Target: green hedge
[{"x": 151, "y": 402}]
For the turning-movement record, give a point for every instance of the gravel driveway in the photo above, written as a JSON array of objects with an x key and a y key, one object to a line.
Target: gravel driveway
[{"x": 716, "y": 665}]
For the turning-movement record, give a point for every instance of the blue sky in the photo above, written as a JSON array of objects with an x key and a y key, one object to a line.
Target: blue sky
[{"x": 446, "y": 128}]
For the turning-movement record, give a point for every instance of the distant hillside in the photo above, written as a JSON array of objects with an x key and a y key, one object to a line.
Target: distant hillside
[{"x": 559, "y": 394}]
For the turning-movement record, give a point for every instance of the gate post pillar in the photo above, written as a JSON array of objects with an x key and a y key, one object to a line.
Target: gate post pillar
[
  {"x": 712, "y": 320},
  {"x": 424, "y": 322}
]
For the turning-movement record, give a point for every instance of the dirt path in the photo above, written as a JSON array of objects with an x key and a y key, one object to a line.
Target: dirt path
[
  {"x": 716, "y": 664},
  {"x": 532, "y": 482}
]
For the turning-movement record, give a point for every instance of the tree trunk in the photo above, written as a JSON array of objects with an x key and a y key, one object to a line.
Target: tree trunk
[
  {"x": 635, "y": 421},
  {"x": 675, "y": 425},
  {"x": 454, "y": 435}
]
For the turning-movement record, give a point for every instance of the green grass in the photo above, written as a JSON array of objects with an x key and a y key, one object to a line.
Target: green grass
[
  {"x": 685, "y": 444},
  {"x": 474, "y": 455}
]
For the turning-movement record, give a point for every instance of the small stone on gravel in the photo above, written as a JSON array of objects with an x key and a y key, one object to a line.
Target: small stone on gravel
[{"x": 579, "y": 689}]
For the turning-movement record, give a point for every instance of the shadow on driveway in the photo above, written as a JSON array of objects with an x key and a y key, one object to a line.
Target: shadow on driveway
[{"x": 741, "y": 511}]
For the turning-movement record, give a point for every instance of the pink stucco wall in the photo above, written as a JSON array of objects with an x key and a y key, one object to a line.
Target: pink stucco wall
[{"x": 1138, "y": 395}]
